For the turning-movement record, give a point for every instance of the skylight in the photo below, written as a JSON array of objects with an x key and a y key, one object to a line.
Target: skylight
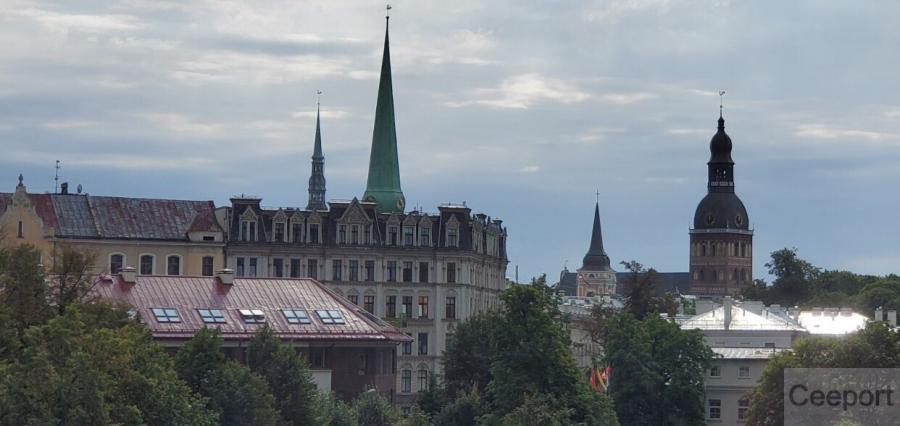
[
  {"x": 252, "y": 316},
  {"x": 211, "y": 315},
  {"x": 296, "y": 316},
  {"x": 330, "y": 317},
  {"x": 166, "y": 315}
]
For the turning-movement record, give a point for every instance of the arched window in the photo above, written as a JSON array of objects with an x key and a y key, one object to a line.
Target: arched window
[
  {"x": 207, "y": 266},
  {"x": 703, "y": 249},
  {"x": 423, "y": 378},
  {"x": 116, "y": 263},
  {"x": 173, "y": 264},
  {"x": 147, "y": 261}
]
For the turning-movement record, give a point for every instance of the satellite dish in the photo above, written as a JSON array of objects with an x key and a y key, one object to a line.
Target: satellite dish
[{"x": 79, "y": 188}]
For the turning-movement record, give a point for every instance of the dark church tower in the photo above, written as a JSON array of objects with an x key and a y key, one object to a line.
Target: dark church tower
[
  {"x": 721, "y": 239},
  {"x": 317, "y": 178},
  {"x": 596, "y": 277}
]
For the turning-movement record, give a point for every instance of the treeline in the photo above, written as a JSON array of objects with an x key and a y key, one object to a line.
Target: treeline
[
  {"x": 68, "y": 359},
  {"x": 800, "y": 283}
]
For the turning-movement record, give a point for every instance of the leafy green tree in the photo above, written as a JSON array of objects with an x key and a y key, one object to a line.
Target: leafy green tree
[
  {"x": 462, "y": 411},
  {"x": 236, "y": 393},
  {"x": 416, "y": 417},
  {"x": 372, "y": 409},
  {"x": 333, "y": 412},
  {"x": 882, "y": 293},
  {"x": 794, "y": 277},
  {"x": 287, "y": 375},
  {"x": 23, "y": 290},
  {"x": 657, "y": 371},
  {"x": 469, "y": 353},
  {"x": 640, "y": 292},
  {"x": 539, "y": 410},
  {"x": 72, "y": 278}
]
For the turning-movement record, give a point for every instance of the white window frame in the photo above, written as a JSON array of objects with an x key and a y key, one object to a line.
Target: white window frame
[
  {"x": 152, "y": 264},
  {"x": 109, "y": 260},
  {"x": 180, "y": 264}
]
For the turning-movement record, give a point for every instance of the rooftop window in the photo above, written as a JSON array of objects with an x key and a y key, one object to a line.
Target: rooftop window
[
  {"x": 166, "y": 315},
  {"x": 330, "y": 317},
  {"x": 252, "y": 316},
  {"x": 296, "y": 316},
  {"x": 211, "y": 315}
]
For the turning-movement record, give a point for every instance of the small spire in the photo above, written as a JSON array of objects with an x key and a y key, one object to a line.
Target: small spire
[
  {"x": 317, "y": 150},
  {"x": 21, "y": 179}
]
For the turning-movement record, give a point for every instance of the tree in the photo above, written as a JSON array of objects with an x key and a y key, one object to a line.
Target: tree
[
  {"x": 72, "y": 373},
  {"x": 23, "y": 290},
  {"x": 640, "y": 292},
  {"x": 72, "y": 278},
  {"x": 372, "y": 409},
  {"x": 333, "y": 412},
  {"x": 462, "y": 411},
  {"x": 236, "y": 393},
  {"x": 287, "y": 375},
  {"x": 657, "y": 371},
  {"x": 469, "y": 353},
  {"x": 794, "y": 277}
]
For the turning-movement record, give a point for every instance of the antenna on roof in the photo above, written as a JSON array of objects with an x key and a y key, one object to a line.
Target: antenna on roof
[{"x": 56, "y": 179}]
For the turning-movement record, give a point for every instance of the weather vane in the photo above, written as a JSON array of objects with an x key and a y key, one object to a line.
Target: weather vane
[
  {"x": 387, "y": 14},
  {"x": 318, "y": 97},
  {"x": 721, "y": 101}
]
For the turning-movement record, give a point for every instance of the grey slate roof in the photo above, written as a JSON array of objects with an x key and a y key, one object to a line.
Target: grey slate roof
[{"x": 666, "y": 282}]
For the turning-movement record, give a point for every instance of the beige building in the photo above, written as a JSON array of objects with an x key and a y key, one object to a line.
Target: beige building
[{"x": 155, "y": 236}]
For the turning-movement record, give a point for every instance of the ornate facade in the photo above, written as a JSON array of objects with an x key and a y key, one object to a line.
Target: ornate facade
[{"x": 721, "y": 248}]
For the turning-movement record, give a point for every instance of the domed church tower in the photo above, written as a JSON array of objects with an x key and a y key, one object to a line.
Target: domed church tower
[
  {"x": 596, "y": 277},
  {"x": 721, "y": 239}
]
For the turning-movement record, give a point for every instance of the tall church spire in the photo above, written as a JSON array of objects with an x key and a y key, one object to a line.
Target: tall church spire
[
  {"x": 317, "y": 177},
  {"x": 383, "y": 184},
  {"x": 596, "y": 258}
]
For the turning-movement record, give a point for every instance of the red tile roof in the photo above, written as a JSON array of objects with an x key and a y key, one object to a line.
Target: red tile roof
[{"x": 187, "y": 294}]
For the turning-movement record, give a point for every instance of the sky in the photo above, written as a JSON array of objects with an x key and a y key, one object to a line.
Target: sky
[{"x": 523, "y": 109}]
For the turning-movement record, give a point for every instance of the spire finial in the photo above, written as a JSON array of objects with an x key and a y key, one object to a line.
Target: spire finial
[
  {"x": 598, "y": 196},
  {"x": 387, "y": 13},
  {"x": 318, "y": 99},
  {"x": 21, "y": 178},
  {"x": 721, "y": 102}
]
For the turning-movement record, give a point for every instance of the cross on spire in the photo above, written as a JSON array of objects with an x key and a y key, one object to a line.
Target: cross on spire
[
  {"x": 387, "y": 13},
  {"x": 598, "y": 196},
  {"x": 721, "y": 101},
  {"x": 318, "y": 98}
]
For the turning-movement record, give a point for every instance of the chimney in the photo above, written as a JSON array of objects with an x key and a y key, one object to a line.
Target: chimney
[
  {"x": 128, "y": 274},
  {"x": 64, "y": 188},
  {"x": 892, "y": 318},
  {"x": 226, "y": 276},
  {"x": 879, "y": 314},
  {"x": 727, "y": 306}
]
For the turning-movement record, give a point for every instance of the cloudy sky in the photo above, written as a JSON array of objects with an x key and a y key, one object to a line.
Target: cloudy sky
[{"x": 523, "y": 109}]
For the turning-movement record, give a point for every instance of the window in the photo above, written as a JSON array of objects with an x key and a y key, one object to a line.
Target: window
[
  {"x": 423, "y": 380},
  {"x": 425, "y": 237},
  {"x": 206, "y": 267},
  {"x": 367, "y": 235},
  {"x": 173, "y": 265},
  {"x": 354, "y": 234},
  {"x": 312, "y": 268},
  {"x": 252, "y": 316},
  {"x": 314, "y": 233},
  {"x": 239, "y": 270},
  {"x": 408, "y": 236},
  {"x": 407, "y": 346},
  {"x": 407, "y": 305},
  {"x": 744, "y": 371},
  {"x": 451, "y": 272},
  {"x": 336, "y": 269},
  {"x": 392, "y": 235},
  {"x": 297, "y": 236},
  {"x": 405, "y": 411},
  {"x": 211, "y": 315},
  {"x": 147, "y": 264},
  {"x": 251, "y": 271},
  {"x": 354, "y": 270},
  {"x": 423, "y": 343},
  {"x": 423, "y": 272},
  {"x": 391, "y": 307},
  {"x": 369, "y": 304},
  {"x": 116, "y": 262},
  {"x": 743, "y": 408},
  {"x": 423, "y": 306},
  {"x": 451, "y": 308},
  {"x": 407, "y": 272},
  {"x": 715, "y": 408},
  {"x": 278, "y": 267},
  {"x": 330, "y": 317},
  {"x": 296, "y": 316},
  {"x": 280, "y": 234},
  {"x": 406, "y": 381},
  {"x": 20, "y": 230},
  {"x": 166, "y": 315},
  {"x": 715, "y": 371},
  {"x": 295, "y": 268},
  {"x": 353, "y": 298},
  {"x": 392, "y": 271},
  {"x": 452, "y": 237},
  {"x": 245, "y": 231},
  {"x": 342, "y": 234},
  {"x": 370, "y": 270}
]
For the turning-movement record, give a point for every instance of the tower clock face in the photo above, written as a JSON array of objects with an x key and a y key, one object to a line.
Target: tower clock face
[
  {"x": 739, "y": 220},
  {"x": 400, "y": 203}
]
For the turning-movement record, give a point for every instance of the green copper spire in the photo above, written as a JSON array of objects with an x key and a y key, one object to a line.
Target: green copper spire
[{"x": 383, "y": 185}]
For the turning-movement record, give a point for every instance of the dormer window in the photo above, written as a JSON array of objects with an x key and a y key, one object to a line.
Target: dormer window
[
  {"x": 342, "y": 234},
  {"x": 248, "y": 230},
  {"x": 252, "y": 316},
  {"x": 280, "y": 232},
  {"x": 367, "y": 234},
  {"x": 314, "y": 233},
  {"x": 425, "y": 237},
  {"x": 408, "y": 235},
  {"x": 296, "y": 232},
  {"x": 354, "y": 234},
  {"x": 393, "y": 235},
  {"x": 452, "y": 237}
]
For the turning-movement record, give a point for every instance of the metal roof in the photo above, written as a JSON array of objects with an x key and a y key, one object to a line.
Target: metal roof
[
  {"x": 832, "y": 321},
  {"x": 746, "y": 353},
  {"x": 741, "y": 319},
  {"x": 188, "y": 294}
]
